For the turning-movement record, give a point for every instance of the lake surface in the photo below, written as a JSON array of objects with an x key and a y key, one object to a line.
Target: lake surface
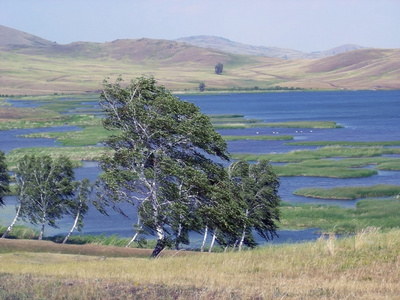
[{"x": 365, "y": 116}]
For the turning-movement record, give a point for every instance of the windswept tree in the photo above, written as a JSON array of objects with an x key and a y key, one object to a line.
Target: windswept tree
[
  {"x": 163, "y": 158},
  {"x": 45, "y": 185},
  {"x": 4, "y": 178},
  {"x": 258, "y": 187}
]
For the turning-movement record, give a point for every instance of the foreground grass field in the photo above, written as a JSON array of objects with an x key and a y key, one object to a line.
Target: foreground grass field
[{"x": 364, "y": 266}]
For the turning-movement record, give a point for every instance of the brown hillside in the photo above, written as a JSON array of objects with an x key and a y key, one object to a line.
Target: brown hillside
[
  {"x": 12, "y": 38},
  {"x": 354, "y": 59},
  {"x": 82, "y": 66}
]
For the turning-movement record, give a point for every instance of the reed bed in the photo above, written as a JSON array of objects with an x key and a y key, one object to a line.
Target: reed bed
[
  {"x": 350, "y": 192},
  {"x": 320, "y": 153},
  {"x": 304, "y": 124},
  {"x": 333, "y": 172},
  {"x": 345, "y": 143},
  {"x": 365, "y": 266},
  {"x": 76, "y": 154},
  {"x": 257, "y": 137},
  {"x": 89, "y": 136},
  {"x": 328, "y": 218}
]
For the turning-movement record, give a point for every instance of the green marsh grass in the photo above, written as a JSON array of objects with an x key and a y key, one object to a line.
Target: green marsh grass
[
  {"x": 59, "y": 120},
  {"x": 328, "y": 218},
  {"x": 257, "y": 137},
  {"x": 324, "y": 152},
  {"x": 345, "y": 143},
  {"x": 304, "y": 124},
  {"x": 350, "y": 192},
  {"x": 364, "y": 266},
  {"x": 76, "y": 154},
  {"x": 292, "y": 169},
  {"x": 89, "y": 135}
]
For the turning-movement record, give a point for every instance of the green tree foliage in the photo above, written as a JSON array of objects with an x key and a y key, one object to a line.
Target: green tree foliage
[
  {"x": 219, "y": 67},
  {"x": 258, "y": 186},
  {"x": 162, "y": 160},
  {"x": 4, "y": 178},
  {"x": 45, "y": 187}
]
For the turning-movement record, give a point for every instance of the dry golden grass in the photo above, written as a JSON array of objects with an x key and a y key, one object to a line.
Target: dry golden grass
[
  {"x": 366, "y": 266},
  {"x": 81, "y": 67}
]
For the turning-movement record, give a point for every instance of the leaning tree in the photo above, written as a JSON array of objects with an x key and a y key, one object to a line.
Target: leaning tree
[
  {"x": 45, "y": 187},
  {"x": 258, "y": 186},
  {"x": 163, "y": 159}
]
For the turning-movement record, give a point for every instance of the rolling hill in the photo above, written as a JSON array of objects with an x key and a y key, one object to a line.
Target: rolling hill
[
  {"x": 31, "y": 65},
  {"x": 222, "y": 44}
]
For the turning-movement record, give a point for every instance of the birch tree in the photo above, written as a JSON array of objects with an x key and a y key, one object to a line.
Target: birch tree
[
  {"x": 258, "y": 187},
  {"x": 45, "y": 186},
  {"x": 162, "y": 161}
]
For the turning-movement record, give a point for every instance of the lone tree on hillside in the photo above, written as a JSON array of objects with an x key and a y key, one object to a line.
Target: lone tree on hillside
[
  {"x": 219, "y": 68},
  {"x": 202, "y": 86},
  {"x": 163, "y": 162},
  {"x": 4, "y": 178}
]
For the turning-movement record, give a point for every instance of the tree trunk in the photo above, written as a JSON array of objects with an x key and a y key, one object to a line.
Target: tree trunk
[
  {"x": 213, "y": 240},
  {"x": 73, "y": 227},
  {"x": 160, "y": 243},
  {"x": 178, "y": 236},
  {"x": 242, "y": 239},
  {"x": 204, "y": 239},
  {"x": 12, "y": 223},
  {"x": 234, "y": 245},
  {"x": 132, "y": 240},
  {"x": 41, "y": 232},
  {"x": 243, "y": 233}
]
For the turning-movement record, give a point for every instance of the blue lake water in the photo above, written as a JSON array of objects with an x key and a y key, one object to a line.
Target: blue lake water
[{"x": 364, "y": 115}]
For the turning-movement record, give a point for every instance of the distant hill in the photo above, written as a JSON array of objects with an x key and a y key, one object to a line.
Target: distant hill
[
  {"x": 229, "y": 46},
  {"x": 31, "y": 65},
  {"x": 226, "y": 45},
  {"x": 12, "y": 38}
]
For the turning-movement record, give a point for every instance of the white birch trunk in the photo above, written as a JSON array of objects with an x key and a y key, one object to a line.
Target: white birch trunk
[
  {"x": 213, "y": 240},
  {"x": 41, "y": 232},
  {"x": 132, "y": 240},
  {"x": 204, "y": 239},
  {"x": 12, "y": 223},
  {"x": 73, "y": 227},
  {"x": 243, "y": 233},
  {"x": 242, "y": 239}
]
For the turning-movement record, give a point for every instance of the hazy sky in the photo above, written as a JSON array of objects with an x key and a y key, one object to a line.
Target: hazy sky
[{"x": 307, "y": 25}]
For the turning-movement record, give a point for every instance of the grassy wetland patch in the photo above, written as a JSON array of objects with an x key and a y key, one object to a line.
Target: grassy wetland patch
[
  {"x": 257, "y": 137},
  {"x": 76, "y": 154},
  {"x": 324, "y": 152},
  {"x": 364, "y": 266},
  {"x": 351, "y": 192},
  {"x": 345, "y": 143},
  {"x": 328, "y": 218},
  {"x": 90, "y": 135},
  {"x": 292, "y": 169},
  {"x": 304, "y": 124}
]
